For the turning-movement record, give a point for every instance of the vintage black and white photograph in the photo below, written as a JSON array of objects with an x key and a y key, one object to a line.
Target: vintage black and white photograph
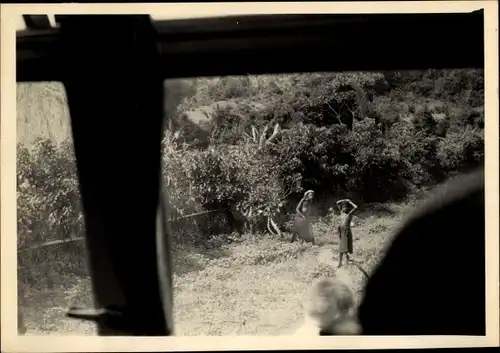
[{"x": 293, "y": 202}]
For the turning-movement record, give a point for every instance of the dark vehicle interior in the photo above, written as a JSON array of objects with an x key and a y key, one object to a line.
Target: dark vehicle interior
[{"x": 118, "y": 63}]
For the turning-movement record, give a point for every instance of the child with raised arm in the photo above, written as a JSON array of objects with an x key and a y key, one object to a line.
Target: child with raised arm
[
  {"x": 302, "y": 225},
  {"x": 344, "y": 229}
]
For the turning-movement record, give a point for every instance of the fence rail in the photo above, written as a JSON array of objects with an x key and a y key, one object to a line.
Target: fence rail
[{"x": 73, "y": 239}]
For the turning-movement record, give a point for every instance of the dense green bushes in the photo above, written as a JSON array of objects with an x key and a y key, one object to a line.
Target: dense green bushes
[
  {"x": 48, "y": 208},
  {"x": 366, "y": 163},
  {"x": 340, "y": 134},
  {"x": 375, "y": 137},
  {"x": 48, "y": 199}
]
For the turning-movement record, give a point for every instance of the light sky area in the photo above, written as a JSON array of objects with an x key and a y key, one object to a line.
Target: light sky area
[{"x": 20, "y": 25}]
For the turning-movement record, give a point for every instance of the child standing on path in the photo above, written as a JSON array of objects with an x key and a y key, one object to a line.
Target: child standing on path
[
  {"x": 302, "y": 225},
  {"x": 344, "y": 229}
]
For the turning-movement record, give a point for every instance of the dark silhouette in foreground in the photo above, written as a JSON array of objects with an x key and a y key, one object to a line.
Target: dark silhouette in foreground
[{"x": 432, "y": 279}]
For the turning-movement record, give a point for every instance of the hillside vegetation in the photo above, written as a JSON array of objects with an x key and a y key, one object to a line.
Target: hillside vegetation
[
  {"x": 374, "y": 137},
  {"x": 252, "y": 145}
]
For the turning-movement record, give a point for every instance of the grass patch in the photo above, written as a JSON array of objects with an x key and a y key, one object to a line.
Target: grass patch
[{"x": 254, "y": 286}]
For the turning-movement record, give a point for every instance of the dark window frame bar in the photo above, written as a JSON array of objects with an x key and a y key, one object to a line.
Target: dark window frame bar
[{"x": 277, "y": 43}]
